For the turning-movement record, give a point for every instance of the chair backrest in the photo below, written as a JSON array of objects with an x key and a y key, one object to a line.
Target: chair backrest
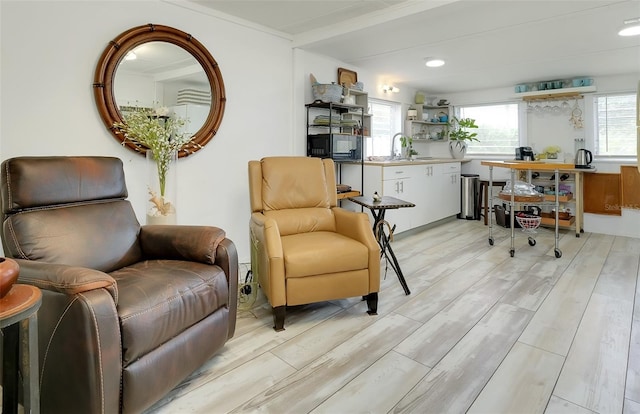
[
  {"x": 68, "y": 210},
  {"x": 297, "y": 192}
]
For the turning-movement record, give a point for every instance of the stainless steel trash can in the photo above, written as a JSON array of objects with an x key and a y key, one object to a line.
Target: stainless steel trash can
[{"x": 469, "y": 184}]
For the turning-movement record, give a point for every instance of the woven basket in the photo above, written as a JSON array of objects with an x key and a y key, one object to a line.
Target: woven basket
[{"x": 329, "y": 92}]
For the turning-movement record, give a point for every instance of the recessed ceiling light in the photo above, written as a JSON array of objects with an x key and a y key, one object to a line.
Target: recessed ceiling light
[
  {"x": 631, "y": 27},
  {"x": 434, "y": 62}
]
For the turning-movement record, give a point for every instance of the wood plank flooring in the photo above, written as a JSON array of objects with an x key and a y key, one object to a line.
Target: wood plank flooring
[{"x": 481, "y": 332}]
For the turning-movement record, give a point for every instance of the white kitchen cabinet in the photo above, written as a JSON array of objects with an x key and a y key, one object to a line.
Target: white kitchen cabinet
[
  {"x": 448, "y": 189},
  {"x": 392, "y": 181},
  {"x": 434, "y": 188},
  {"x": 395, "y": 181},
  {"x": 424, "y": 184}
]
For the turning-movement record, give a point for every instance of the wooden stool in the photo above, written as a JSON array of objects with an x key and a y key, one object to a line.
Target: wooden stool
[{"x": 484, "y": 191}]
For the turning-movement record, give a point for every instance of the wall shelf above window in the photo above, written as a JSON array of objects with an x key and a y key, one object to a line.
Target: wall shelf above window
[{"x": 552, "y": 94}]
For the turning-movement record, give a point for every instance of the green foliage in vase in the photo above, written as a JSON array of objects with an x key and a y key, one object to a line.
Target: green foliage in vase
[
  {"x": 153, "y": 129},
  {"x": 459, "y": 129},
  {"x": 407, "y": 142}
]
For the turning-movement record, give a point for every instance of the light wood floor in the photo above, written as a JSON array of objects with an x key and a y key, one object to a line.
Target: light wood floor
[{"x": 481, "y": 332}]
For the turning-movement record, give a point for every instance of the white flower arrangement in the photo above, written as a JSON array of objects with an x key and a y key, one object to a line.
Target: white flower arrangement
[{"x": 153, "y": 129}]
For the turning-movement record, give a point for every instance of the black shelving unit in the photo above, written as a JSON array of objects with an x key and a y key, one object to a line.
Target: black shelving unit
[
  {"x": 330, "y": 135},
  {"x": 333, "y": 138}
]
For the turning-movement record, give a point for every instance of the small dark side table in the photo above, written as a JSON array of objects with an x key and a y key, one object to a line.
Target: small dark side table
[
  {"x": 19, "y": 324},
  {"x": 378, "y": 209}
]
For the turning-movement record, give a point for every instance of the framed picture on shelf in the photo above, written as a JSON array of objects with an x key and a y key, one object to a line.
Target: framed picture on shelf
[{"x": 346, "y": 77}]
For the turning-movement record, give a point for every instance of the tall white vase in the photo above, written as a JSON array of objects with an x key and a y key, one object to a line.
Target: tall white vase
[
  {"x": 162, "y": 188},
  {"x": 458, "y": 149}
]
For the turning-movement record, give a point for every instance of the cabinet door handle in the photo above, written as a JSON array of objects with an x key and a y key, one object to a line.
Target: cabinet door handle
[
  {"x": 402, "y": 186},
  {"x": 397, "y": 187},
  {"x": 399, "y": 172}
]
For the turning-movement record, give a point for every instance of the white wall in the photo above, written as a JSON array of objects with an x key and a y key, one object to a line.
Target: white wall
[{"x": 49, "y": 50}]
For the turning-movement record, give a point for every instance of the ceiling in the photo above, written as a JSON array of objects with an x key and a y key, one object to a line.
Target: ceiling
[
  {"x": 486, "y": 44},
  {"x": 165, "y": 62}
]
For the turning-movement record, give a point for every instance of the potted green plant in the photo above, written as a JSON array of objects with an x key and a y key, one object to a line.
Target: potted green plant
[
  {"x": 406, "y": 143},
  {"x": 459, "y": 135}
]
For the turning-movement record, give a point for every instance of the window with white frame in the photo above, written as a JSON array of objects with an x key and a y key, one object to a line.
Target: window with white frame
[
  {"x": 497, "y": 128},
  {"x": 385, "y": 123},
  {"x": 615, "y": 125}
]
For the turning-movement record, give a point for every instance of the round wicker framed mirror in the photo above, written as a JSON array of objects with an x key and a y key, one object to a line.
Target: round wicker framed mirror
[{"x": 114, "y": 55}]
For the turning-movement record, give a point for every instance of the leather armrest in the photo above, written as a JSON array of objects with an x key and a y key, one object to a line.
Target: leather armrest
[
  {"x": 266, "y": 231},
  {"x": 192, "y": 243},
  {"x": 68, "y": 280},
  {"x": 265, "y": 238},
  {"x": 227, "y": 259},
  {"x": 355, "y": 225}
]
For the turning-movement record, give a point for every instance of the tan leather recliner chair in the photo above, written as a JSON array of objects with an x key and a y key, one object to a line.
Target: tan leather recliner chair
[
  {"x": 306, "y": 249},
  {"x": 128, "y": 311}
]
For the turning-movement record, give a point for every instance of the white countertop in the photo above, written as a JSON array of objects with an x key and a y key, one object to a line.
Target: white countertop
[{"x": 416, "y": 161}]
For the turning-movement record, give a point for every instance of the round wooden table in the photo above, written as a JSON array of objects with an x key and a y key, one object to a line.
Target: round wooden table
[{"x": 19, "y": 324}]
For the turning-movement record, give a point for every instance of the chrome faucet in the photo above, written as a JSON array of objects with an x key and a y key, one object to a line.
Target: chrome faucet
[{"x": 393, "y": 145}]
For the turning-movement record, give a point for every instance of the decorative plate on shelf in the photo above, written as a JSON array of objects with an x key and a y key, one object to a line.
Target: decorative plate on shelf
[{"x": 347, "y": 77}]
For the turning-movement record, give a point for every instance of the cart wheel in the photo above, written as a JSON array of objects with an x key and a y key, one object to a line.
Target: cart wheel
[
  {"x": 512, "y": 252},
  {"x": 558, "y": 253},
  {"x": 577, "y": 234},
  {"x": 532, "y": 241},
  {"x": 491, "y": 241}
]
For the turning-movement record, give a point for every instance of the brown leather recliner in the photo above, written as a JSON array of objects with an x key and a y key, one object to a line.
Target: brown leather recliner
[
  {"x": 305, "y": 248},
  {"x": 128, "y": 312}
]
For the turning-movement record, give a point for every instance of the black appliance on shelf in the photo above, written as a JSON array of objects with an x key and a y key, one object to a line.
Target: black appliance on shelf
[
  {"x": 335, "y": 131},
  {"x": 524, "y": 153},
  {"x": 336, "y": 146}
]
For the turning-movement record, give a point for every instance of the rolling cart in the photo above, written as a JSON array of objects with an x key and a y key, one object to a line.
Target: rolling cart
[{"x": 529, "y": 225}]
